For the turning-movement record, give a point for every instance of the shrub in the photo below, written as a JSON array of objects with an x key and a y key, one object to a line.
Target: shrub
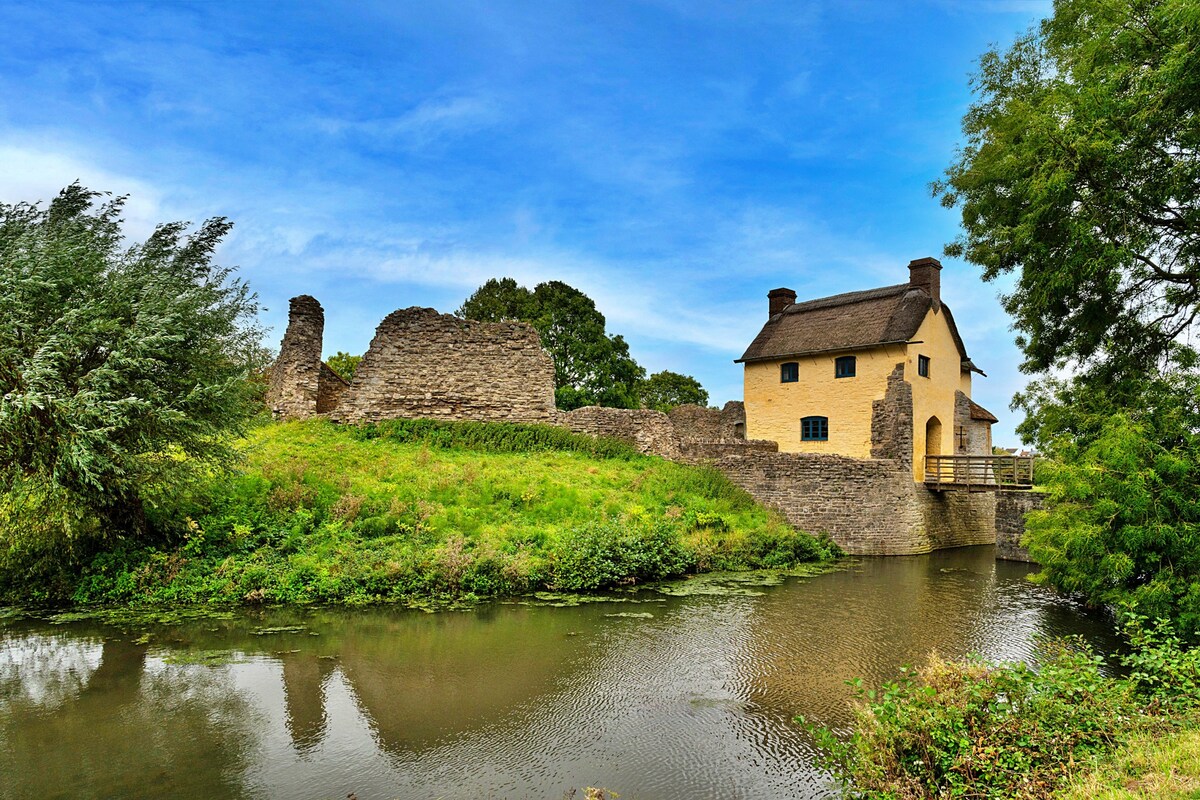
[
  {"x": 495, "y": 437},
  {"x": 609, "y": 553},
  {"x": 970, "y": 729}
]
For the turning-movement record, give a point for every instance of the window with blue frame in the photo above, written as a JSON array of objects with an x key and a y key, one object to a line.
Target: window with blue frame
[
  {"x": 789, "y": 372},
  {"x": 814, "y": 429},
  {"x": 844, "y": 367},
  {"x": 923, "y": 366}
]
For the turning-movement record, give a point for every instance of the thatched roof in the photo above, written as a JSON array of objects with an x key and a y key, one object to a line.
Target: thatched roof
[{"x": 848, "y": 322}]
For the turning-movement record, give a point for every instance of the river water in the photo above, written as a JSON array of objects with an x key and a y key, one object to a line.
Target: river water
[{"x": 657, "y": 697}]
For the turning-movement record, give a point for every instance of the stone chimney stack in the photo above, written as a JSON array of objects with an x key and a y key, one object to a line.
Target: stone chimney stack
[
  {"x": 779, "y": 299},
  {"x": 295, "y": 378},
  {"x": 926, "y": 274}
]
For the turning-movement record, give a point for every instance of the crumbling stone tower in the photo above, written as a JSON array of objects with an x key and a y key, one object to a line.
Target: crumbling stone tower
[{"x": 302, "y": 385}]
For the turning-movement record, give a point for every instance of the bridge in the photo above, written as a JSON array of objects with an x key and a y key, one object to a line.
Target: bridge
[{"x": 978, "y": 473}]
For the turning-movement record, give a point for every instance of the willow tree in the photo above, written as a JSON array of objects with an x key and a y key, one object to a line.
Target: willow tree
[{"x": 123, "y": 366}]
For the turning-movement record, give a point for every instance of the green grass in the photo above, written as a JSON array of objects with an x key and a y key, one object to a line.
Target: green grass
[
  {"x": 1160, "y": 767},
  {"x": 414, "y": 510}
]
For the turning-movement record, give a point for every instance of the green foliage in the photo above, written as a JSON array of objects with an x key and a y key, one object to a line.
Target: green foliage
[
  {"x": 1061, "y": 411},
  {"x": 495, "y": 437},
  {"x": 1161, "y": 668},
  {"x": 590, "y": 366},
  {"x": 344, "y": 364},
  {"x": 974, "y": 730},
  {"x": 608, "y": 553},
  {"x": 1080, "y": 174},
  {"x": 1122, "y": 522},
  {"x": 409, "y": 511},
  {"x": 123, "y": 369},
  {"x": 665, "y": 390}
]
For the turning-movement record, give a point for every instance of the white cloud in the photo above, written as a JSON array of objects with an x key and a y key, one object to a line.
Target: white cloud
[{"x": 38, "y": 172}]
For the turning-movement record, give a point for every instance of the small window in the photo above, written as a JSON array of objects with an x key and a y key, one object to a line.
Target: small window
[
  {"x": 844, "y": 367},
  {"x": 923, "y": 366},
  {"x": 814, "y": 429},
  {"x": 789, "y": 372}
]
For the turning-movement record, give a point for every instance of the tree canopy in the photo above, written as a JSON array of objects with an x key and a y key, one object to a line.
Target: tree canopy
[
  {"x": 665, "y": 390},
  {"x": 123, "y": 368},
  {"x": 344, "y": 364},
  {"x": 591, "y": 367},
  {"x": 1081, "y": 175}
]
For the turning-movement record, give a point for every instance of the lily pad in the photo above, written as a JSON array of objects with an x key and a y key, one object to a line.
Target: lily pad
[{"x": 278, "y": 629}]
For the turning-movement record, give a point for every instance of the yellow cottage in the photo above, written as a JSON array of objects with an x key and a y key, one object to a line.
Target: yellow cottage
[{"x": 816, "y": 369}]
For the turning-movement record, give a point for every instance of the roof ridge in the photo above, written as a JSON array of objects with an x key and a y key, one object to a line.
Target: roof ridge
[{"x": 847, "y": 298}]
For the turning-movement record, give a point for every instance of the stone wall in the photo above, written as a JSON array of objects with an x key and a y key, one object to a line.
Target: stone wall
[
  {"x": 978, "y": 432},
  {"x": 437, "y": 366},
  {"x": 331, "y": 388},
  {"x": 651, "y": 432},
  {"x": 956, "y": 518},
  {"x": 1011, "y": 508},
  {"x": 892, "y": 421},
  {"x": 865, "y": 505},
  {"x": 294, "y": 390}
]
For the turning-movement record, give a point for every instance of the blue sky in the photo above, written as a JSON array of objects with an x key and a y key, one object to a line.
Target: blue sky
[{"x": 674, "y": 160}]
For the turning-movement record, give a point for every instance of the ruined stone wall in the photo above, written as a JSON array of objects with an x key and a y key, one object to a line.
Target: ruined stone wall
[
  {"x": 892, "y": 421},
  {"x": 294, "y": 390},
  {"x": 1011, "y": 508},
  {"x": 437, "y": 366},
  {"x": 331, "y": 388},
  {"x": 651, "y": 432}
]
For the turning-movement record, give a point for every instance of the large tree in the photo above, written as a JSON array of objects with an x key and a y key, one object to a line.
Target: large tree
[
  {"x": 665, "y": 390},
  {"x": 1081, "y": 175},
  {"x": 590, "y": 366},
  {"x": 123, "y": 367}
]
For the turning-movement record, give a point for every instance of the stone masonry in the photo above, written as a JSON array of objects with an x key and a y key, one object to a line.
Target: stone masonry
[
  {"x": 295, "y": 379},
  {"x": 422, "y": 364},
  {"x": 437, "y": 366},
  {"x": 1011, "y": 509}
]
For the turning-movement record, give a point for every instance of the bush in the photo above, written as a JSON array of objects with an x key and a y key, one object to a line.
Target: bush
[
  {"x": 973, "y": 730},
  {"x": 608, "y": 553},
  {"x": 495, "y": 437}
]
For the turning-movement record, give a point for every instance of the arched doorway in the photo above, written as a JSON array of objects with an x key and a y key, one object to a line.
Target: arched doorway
[
  {"x": 933, "y": 442},
  {"x": 933, "y": 437}
]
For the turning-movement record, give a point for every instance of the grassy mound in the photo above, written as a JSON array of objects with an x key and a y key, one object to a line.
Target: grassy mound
[{"x": 412, "y": 510}]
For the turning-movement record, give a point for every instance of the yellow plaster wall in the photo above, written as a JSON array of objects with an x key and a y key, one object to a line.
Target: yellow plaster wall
[
  {"x": 774, "y": 409},
  {"x": 934, "y": 396}
]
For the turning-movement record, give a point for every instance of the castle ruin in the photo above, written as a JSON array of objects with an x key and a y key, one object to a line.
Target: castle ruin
[{"x": 423, "y": 364}]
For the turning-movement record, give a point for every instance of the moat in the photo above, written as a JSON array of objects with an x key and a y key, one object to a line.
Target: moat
[{"x": 657, "y": 697}]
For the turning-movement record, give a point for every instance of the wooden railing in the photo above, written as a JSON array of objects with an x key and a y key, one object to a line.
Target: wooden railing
[{"x": 979, "y": 472}]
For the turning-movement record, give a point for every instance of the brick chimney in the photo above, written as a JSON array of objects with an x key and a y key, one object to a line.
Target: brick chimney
[
  {"x": 925, "y": 274},
  {"x": 780, "y": 299}
]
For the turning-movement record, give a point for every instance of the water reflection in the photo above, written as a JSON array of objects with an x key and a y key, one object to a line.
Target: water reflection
[{"x": 508, "y": 701}]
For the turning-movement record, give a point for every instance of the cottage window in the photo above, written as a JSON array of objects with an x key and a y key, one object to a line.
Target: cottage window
[
  {"x": 923, "y": 366},
  {"x": 844, "y": 367},
  {"x": 814, "y": 429},
  {"x": 789, "y": 372}
]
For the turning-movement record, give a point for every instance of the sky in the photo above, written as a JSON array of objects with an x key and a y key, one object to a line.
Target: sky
[{"x": 673, "y": 159}]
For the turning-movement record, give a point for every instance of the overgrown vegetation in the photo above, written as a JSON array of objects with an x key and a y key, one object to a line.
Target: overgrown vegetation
[
  {"x": 1003, "y": 732},
  {"x": 412, "y": 510},
  {"x": 123, "y": 369}
]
